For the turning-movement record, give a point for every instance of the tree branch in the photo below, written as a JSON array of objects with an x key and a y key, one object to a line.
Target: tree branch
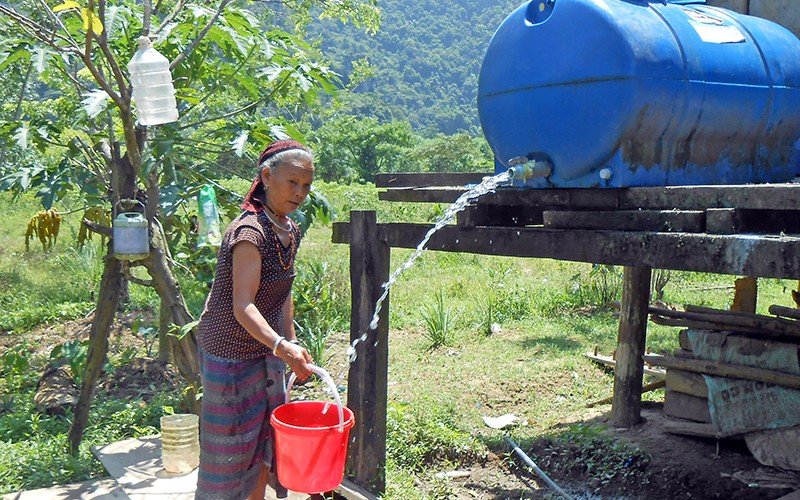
[
  {"x": 57, "y": 20},
  {"x": 126, "y": 269},
  {"x": 193, "y": 45},
  {"x": 146, "y": 18},
  {"x": 102, "y": 41},
  {"x": 178, "y": 6},
  {"x": 98, "y": 77},
  {"x": 98, "y": 228},
  {"x": 221, "y": 117},
  {"x": 39, "y": 32}
]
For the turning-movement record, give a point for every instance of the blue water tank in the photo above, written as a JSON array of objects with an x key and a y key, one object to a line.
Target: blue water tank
[{"x": 616, "y": 93}]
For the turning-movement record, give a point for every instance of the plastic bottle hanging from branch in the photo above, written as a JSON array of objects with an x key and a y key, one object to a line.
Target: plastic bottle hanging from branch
[
  {"x": 153, "y": 92},
  {"x": 208, "y": 229}
]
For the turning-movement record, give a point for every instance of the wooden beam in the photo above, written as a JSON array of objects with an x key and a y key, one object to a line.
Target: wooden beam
[
  {"x": 368, "y": 376},
  {"x": 652, "y": 386},
  {"x": 399, "y": 180},
  {"x": 422, "y": 195},
  {"x": 686, "y": 406},
  {"x": 726, "y": 370},
  {"x": 689, "y": 428},
  {"x": 752, "y": 196},
  {"x": 681, "y": 221},
  {"x": 743, "y": 255},
  {"x": 499, "y": 215},
  {"x": 723, "y": 220},
  {"x": 687, "y": 383},
  {"x": 609, "y": 361},
  {"x": 784, "y": 312},
  {"x": 626, "y": 408},
  {"x": 764, "y": 326},
  {"x": 779, "y": 197}
]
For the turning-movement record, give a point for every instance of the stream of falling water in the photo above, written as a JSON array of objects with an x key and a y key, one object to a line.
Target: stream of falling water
[{"x": 488, "y": 185}]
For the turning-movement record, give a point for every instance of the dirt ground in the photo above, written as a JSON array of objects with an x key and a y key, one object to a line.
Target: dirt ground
[{"x": 678, "y": 466}]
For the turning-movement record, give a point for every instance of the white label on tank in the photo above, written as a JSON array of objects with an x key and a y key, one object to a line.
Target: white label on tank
[{"x": 712, "y": 29}]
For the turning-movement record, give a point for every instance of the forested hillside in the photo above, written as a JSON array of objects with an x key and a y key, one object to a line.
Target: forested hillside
[{"x": 426, "y": 56}]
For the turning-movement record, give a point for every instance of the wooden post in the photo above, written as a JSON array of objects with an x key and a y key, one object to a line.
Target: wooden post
[
  {"x": 625, "y": 410},
  {"x": 368, "y": 377}
]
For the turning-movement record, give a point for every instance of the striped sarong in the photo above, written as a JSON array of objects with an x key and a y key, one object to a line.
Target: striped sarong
[{"x": 235, "y": 435}]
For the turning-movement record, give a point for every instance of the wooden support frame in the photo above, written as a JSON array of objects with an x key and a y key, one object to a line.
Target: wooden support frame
[
  {"x": 701, "y": 220},
  {"x": 766, "y": 256},
  {"x": 627, "y": 403},
  {"x": 367, "y": 383}
]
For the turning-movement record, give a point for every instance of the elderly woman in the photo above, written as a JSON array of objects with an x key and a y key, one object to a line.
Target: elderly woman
[{"x": 247, "y": 330}]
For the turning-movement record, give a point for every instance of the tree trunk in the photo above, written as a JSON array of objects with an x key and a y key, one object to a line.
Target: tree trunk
[
  {"x": 184, "y": 349},
  {"x": 164, "y": 318},
  {"x": 107, "y": 300}
]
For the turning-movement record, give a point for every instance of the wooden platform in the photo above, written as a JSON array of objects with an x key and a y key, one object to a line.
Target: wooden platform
[{"x": 751, "y": 230}]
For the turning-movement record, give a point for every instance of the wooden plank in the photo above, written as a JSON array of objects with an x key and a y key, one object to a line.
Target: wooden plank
[
  {"x": 632, "y": 333},
  {"x": 605, "y": 199},
  {"x": 784, "y": 312},
  {"x": 690, "y": 428},
  {"x": 499, "y": 215},
  {"x": 751, "y": 196},
  {"x": 687, "y": 407},
  {"x": 368, "y": 377},
  {"x": 652, "y": 386},
  {"x": 609, "y": 361},
  {"x": 723, "y": 220},
  {"x": 740, "y": 220},
  {"x": 743, "y": 255},
  {"x": 409, "y": 179},
  {"x": 778, "y": 197},
  {"x": 745, "y": 295},
  {"x": 574, "y": 198},
  {"x": 686, "y": 382},
  {"x": 683, "y": 340},
  {"x": 726, "y": 370},
  {"x": 690, "y": 221},
  {"x": 430, "y": 195},
  {"x": 768, "y": 326}
]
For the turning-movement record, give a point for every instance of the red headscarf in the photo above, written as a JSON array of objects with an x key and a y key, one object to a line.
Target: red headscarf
[{"x": 252, "y": 200}]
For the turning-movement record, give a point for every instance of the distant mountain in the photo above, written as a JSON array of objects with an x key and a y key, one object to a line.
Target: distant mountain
[{"x": 427, "y": 54}]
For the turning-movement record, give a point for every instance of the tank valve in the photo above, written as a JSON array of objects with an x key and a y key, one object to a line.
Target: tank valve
[{"x": 522, "y": 168}]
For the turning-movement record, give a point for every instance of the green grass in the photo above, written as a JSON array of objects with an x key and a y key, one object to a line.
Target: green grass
[
  {"x": 546, "y": 313},
  {"x": 33, "y": 446}
]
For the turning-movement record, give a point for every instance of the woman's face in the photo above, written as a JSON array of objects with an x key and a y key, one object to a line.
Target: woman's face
[{"x": 288, "y": 186}]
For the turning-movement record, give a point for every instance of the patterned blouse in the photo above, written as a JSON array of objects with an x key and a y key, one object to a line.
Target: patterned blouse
[{"x": 220, "y": 333}]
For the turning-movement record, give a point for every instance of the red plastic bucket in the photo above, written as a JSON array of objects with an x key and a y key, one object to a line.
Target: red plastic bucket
[
  {"x": 309, "y": 448},
  {"x": 311, "y": 441}
]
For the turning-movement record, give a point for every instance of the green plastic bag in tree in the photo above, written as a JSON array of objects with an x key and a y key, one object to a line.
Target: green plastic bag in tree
[{"x": 208, "y": 232}]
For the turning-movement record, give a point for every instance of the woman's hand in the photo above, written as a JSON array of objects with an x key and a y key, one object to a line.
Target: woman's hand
[{"x": 296, "y": 357}]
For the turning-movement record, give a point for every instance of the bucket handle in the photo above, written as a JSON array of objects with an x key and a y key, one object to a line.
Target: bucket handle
[{"x": 321, "y": 373}]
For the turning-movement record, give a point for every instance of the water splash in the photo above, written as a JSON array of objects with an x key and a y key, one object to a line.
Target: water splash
[{"x": 489, "y": 185}]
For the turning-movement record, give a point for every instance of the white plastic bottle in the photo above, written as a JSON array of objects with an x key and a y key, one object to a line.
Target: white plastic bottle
[{"x": 153, "y": 92}]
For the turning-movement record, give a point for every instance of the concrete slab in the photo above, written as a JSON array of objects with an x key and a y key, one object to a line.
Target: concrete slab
[
  {"x": 98, "y": 489},
  {"x": 136, "y": 465}
]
